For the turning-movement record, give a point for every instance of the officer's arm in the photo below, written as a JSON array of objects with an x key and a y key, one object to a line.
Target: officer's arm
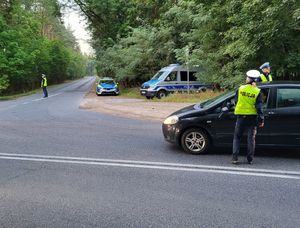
[
  {"x": 259, "y": 108},
  {"x": 236, "y": 97}
]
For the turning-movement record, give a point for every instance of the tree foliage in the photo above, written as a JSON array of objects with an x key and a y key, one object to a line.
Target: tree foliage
[
  {"x": 33, "y": 41},
  {"x": 226, "y": 38}
]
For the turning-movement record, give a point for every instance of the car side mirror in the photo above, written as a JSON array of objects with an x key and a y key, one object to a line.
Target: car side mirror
[{"x": 224, "y": 110}]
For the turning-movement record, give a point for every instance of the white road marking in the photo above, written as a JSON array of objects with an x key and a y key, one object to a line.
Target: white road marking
[
  {"x": 55, "y": 95},
  {"x": 25, "y": 103},
  {"x": 39, "y": 99},
  {"x": 155, "y": 165}
]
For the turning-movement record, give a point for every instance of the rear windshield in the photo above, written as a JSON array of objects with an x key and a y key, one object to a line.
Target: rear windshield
[
  {"x": 211, "y": 102},
  {"x": 107, "y": 82}
]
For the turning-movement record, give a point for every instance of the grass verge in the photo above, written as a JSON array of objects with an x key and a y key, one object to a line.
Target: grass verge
[
  {"x": 174, "y": 97},
  {"x": 15, "y": 96}
]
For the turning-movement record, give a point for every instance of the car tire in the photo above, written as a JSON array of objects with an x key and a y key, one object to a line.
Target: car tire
[
  {"x": 148, "y": 97},
  {"x": 161, "y": 94},
  {"x": 195, "y": 141}
]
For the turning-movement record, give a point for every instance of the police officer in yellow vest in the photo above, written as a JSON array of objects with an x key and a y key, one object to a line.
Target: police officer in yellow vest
[
  {"x": 249, "y": 115},
  {"x": 266, "y": 73},
  {"x": 44, "y": 85}
]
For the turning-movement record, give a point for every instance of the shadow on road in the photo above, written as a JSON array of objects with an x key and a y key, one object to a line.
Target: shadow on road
[{"x": 259, "y": 152}]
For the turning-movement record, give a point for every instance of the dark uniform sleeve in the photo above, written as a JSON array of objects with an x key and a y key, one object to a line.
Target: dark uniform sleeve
[
  {"x": 259, "y": 108},
  {"x": 236, "y": 97},
  {"x": 259, "y": 79}
]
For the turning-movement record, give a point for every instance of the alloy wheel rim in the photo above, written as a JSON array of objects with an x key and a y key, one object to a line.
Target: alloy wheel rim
[
  {"x": 195, "y": 141},
  {"x": 162, "y": 95}
]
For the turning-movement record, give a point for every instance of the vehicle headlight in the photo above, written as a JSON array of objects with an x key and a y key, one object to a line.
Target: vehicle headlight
[{"x": 171, "y": 120}]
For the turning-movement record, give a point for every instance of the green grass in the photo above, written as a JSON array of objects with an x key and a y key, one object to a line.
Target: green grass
[
  {"x": 39, "y": 90},
  {"x": 15, "y": 96},
  {"x": 131, "y": 92},
  {"x": 174, "y": 97},
  {"x": 190, "y": 98}
]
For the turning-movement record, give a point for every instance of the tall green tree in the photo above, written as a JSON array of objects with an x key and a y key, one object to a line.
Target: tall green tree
[
  {"x": 33, "y": 41},
  {"x": 224, "y": 37}
]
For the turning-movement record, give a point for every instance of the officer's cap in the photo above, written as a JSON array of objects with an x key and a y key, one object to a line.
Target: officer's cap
[
  {"x": 265, "y": 65},
  {"x": 254, "y": 74}
]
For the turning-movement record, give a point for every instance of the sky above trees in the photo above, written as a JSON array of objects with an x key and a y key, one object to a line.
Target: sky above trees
[{"x": 74, "y": 19}]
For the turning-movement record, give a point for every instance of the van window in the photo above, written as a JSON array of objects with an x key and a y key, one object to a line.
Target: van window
[
  {"x": 184, "y": 76},
  {"x": 158, "y": 75},
  {"x": 172, "y": 76}
]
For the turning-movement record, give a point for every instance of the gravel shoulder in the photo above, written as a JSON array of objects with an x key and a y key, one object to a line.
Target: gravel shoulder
[{"x": 130, "y": 107}]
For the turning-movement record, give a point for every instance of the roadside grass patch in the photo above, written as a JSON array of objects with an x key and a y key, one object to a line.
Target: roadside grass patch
[
  {"x": 193, "y": 97},
  {"x": 15, "y": 96},
  {"x": 131, "y": 92},
  {"x": 27, "y": 93}
]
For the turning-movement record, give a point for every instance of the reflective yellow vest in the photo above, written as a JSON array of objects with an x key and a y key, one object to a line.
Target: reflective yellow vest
[
  {"x": 264, "y": 79},
  {"x": 44, "y": 82},
  {"x": 247, "y": 95}
]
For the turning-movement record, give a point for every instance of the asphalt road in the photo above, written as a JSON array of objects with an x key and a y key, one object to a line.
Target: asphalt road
[{"x": 66, "y": 167}]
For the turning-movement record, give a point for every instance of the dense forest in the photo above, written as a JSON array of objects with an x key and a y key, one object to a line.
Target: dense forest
[
  {"x": 135, "y": 38},
  {"x": 33, "y": 40}
]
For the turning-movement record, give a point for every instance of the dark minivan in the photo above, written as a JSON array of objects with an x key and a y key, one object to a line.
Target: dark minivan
[{"x": 198, "y": 127}]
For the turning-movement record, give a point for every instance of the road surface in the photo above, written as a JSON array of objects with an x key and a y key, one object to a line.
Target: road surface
[{"x": 66, "y": 167}]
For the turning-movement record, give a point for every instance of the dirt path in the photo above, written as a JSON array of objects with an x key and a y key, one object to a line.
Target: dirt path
[{"x": 132, "y": 108}]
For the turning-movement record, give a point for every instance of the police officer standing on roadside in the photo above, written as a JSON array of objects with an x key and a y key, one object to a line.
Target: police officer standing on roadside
[
  {"x": 249, "y": 115},
  {"x": 44, "y": 85},
  {"x": 266, "y": 73}
]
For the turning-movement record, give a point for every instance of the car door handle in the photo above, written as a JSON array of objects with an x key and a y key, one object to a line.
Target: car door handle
[{"x": 271, "y": 113}]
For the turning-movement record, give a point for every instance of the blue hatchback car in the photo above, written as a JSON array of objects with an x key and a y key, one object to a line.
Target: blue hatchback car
[{"x": 107, "y": 86}]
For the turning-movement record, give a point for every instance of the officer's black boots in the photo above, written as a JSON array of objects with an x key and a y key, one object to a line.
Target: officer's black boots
[
  {"x": 234, "y": 159},
  {"x": 250, "y": 160}
]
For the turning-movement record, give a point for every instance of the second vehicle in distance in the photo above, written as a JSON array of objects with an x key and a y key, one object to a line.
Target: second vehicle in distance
[{"x": 107, "y": 86}]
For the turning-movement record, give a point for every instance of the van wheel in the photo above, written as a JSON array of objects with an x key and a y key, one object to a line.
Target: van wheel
[
  {"x": 161, "y": 94},
  {"x": 195, "y": 141}
]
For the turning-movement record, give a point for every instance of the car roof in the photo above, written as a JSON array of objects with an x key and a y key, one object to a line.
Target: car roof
[
  {"x": 178, "y": 67},
  {"x": 278, "y": 84},
  {"x": 106, "y": 78}
]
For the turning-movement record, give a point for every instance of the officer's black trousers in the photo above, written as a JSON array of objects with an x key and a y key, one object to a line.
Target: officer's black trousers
[
  {"x": 246, "y": 123},
  {"x": 45, "y": 91}
]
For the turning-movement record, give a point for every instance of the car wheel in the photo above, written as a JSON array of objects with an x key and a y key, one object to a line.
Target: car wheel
[
  {"x": 148, "y": 97},
  {"x": 195, "y": 141},
  {"x": 161, "y": 94}
]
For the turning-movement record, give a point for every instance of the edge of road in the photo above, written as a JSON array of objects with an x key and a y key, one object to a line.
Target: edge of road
[{"x": 133, "y": 108}]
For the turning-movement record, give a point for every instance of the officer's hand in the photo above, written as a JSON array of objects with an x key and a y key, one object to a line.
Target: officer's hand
[{"x": 261, "y": 124}]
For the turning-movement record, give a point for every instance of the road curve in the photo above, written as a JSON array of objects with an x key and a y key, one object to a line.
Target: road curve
[{"x": 66, "y": 167}]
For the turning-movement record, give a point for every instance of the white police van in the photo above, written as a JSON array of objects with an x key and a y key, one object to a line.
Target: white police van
[{"x": 170, "y": 79}]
